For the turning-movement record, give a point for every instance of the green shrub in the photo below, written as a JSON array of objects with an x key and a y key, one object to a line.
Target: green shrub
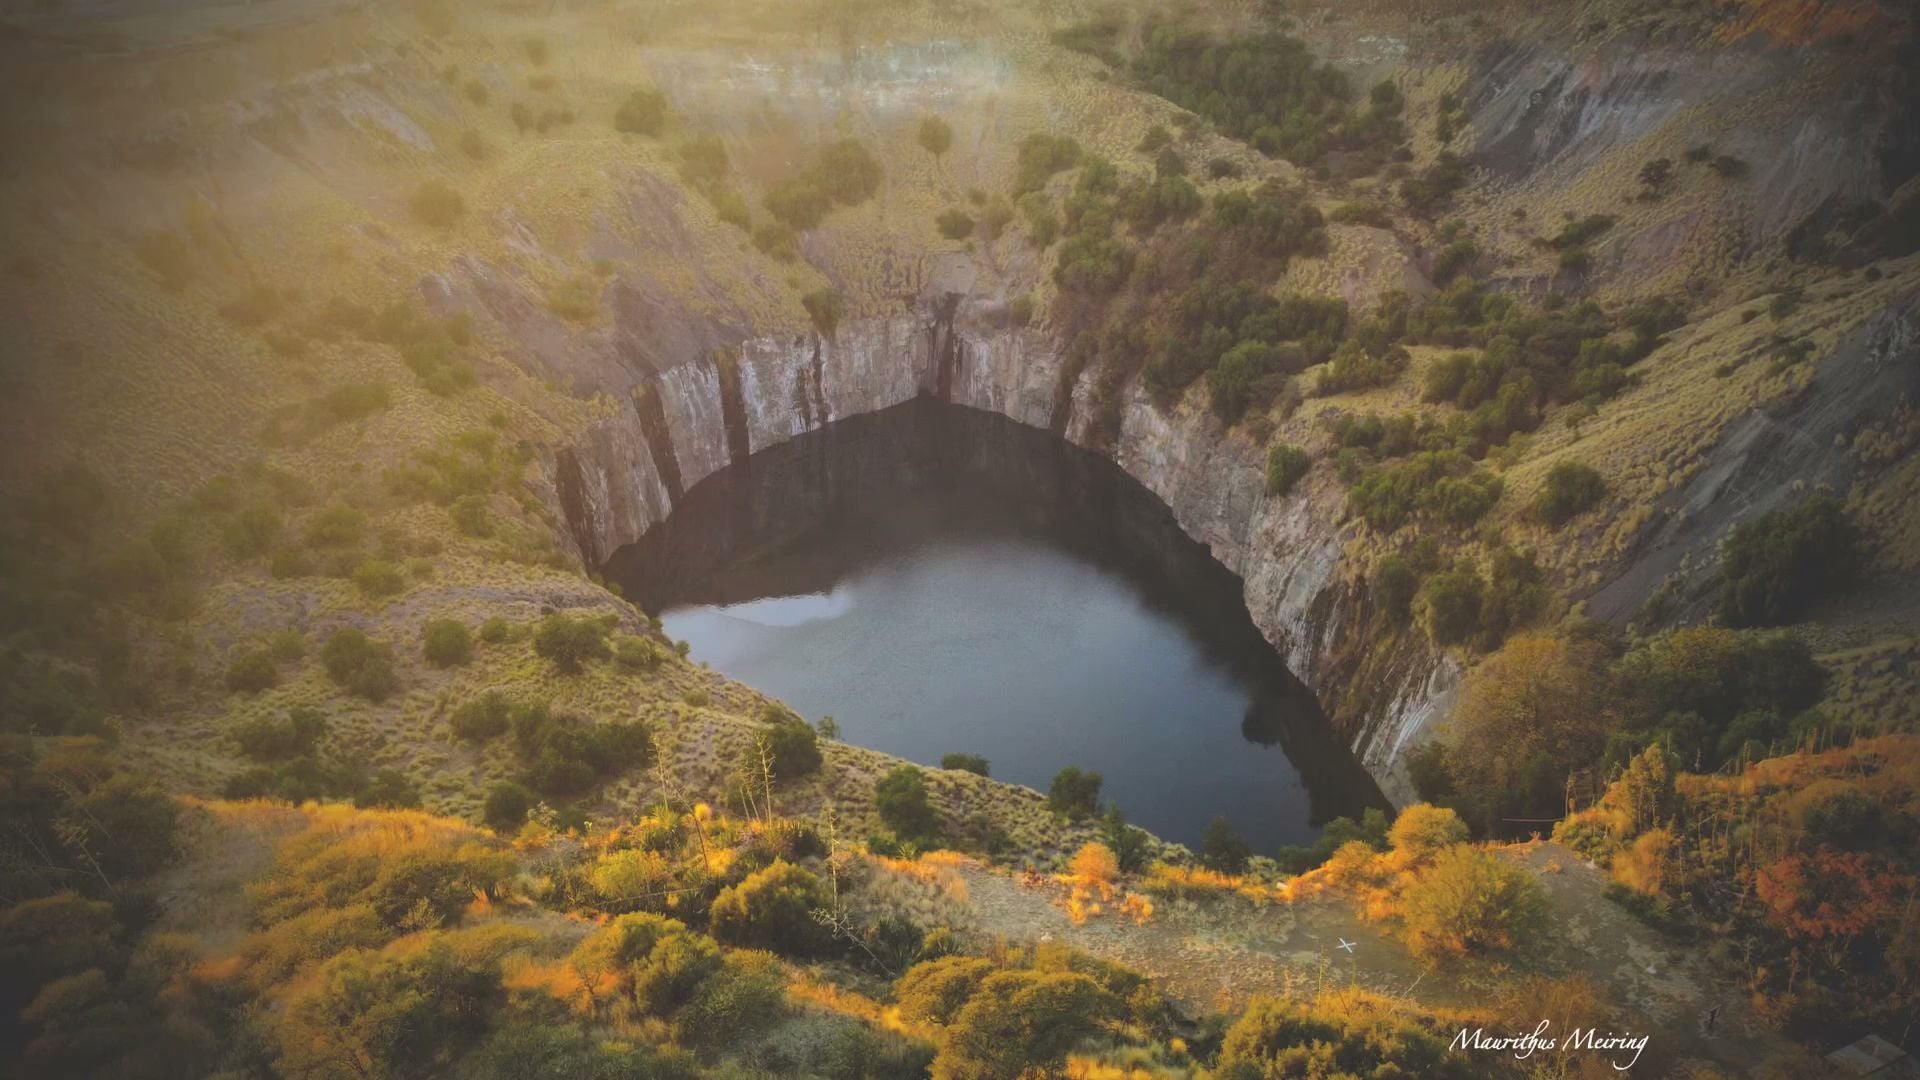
[
  {"x": 1043, "y": 225},
  {"x": 644, "y": 112},
  {"x": 1513, "y": 596},
  {"x": 472, "y": 516},
  {"x": 495, "y": 630},
  {"x": 279, "y": 739},
  {"x": 634, "y": 653},
  {"x": 1240, "y": 372},
  {"x": 1074, "y": 792},
  {"x": 848, "y": 171},
  {"x": 901, "y": 800},
  {"x": 570, "y": 642},
  {"x": 359, "y": 664},
  {"x": 336, "y": 527},
  {"x": 1023, "y": 1023},
  {"x": 447, "y": 643},
  {"x": 1278, "y": 221},
  {"x": 1571, "y": 489},
  {"x": 798, "y": 202},
  {"x": 348, "y": 402},
  {"x": 1128, "y": 843},
  {"x": 773, "y": 909},
  {"x": 389, "y": 789},
  {"x": 1286, "y": 464},
  {"x": 654, "y": 960},
  {"x": 507, "y": 806},
  {"x": 1355, "y": 368},
  {"x": 703, "y": 162},
  {"x": 1038, "y": 157},
  {"x": 1777, "y": 566},
  {"x": 436, "y": 204},
  {"x": 252, "y": 530},
  {"x": 1698, "y": 687},
  {"x": 481, "y": 718},
  {"x": 932, "y": 992},
  {"x": 954, "y": 224},
  {"x": 1449, "y": 605},
  {"x": 1395, "y": 582},
  {"x": 747, "y": 996},
  {"x": 1222, "y": 849},
  {"x": 776, "y": 240},
  {"x": 792, "y": 747},
  {"x": 566, "y": 755},
  {"x": 972, "y": 763},
  {"x": 825, "y": 308},
  {"x": 935, "y": 135},
  {"x": 1444, "y": 484},
  {"x": 377, "y": 579},
  {"x": 845, "y": 174},
  {"x": 252, "y": 671},
  {"x": 1263, "y": 88},
  {"x": 1276, "y": 1038},
  {"x": 287, "y": 646}
]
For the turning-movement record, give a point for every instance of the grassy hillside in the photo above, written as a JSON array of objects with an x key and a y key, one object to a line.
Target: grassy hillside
[{"x": 303, "y": 301}]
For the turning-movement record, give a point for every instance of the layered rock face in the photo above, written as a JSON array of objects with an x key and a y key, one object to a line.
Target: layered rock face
[
  {"x": 1557, "y": 118},
  {"x": 625, "y": 475}
]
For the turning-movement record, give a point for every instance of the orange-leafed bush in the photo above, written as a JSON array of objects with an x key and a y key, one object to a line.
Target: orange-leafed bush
[
  {"x": 1646, "y": 863},
  {"x": 1831, "y": 895}
]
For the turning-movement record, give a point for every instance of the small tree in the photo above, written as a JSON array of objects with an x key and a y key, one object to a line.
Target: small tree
[
  {"x": 1471, "y": 901},
  {"x": 1127, "y": 842},
  {"x": 901, "y": 799},
  {"x": 1655, "y": 175},
  {"x": 1286, "y": 464},
  {"x": 1571, "y": 489},
  {"x": 1094, "y": 864},
  {"x": 635, "y": 653},
  {"x": 1422, "y": 831},
  {"x": 773, "y": 909},
  {"x": 954, "y": 224},
  {"x": 447, "y": 643},
  {"x": 278, "y": 739},
  {"x": 792, "y": 746},
  {"x": 936, "y": 136},
  {"x": 569, "y": 643},
  {"x": 435, "y": 203},
  {"x": 1450, "y": 605},
  {"x": 359, "y": 664},
  {"x": 932, "y": 992},
  {"x": 825, "y": 308},
  {"x": 378, "y": 579},
  {"x": 507, "y": 806},
  {"x": 1074, "y": 793},
  {"x": 1020, "y": 1023},
  {"x": 644, "y": 112},
  {"x": 972, "y": 763},
  {"x": 482, "y": 718},
  {"x": 1222, "y": 849},
  {"x": 1395, "y": 583},
  {"x": 1780, "y": 563},
  {"x": 252, "y": 671}
]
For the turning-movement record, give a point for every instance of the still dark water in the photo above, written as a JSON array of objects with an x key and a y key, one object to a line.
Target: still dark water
[{"x": 940, "y": 579}]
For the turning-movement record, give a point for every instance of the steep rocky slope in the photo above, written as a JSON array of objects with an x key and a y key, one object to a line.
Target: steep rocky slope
[{"x": 635, "y": 342}]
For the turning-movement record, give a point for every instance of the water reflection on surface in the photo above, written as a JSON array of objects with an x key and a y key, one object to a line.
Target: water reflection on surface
[{"x": 942, "y": 580}]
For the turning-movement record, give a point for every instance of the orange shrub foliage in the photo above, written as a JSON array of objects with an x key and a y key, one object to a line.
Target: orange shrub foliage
[{"x": 1831, "y": 894}]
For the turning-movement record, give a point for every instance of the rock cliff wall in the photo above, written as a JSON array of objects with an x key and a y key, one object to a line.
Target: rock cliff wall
[{"x": 614, "y": 483}]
